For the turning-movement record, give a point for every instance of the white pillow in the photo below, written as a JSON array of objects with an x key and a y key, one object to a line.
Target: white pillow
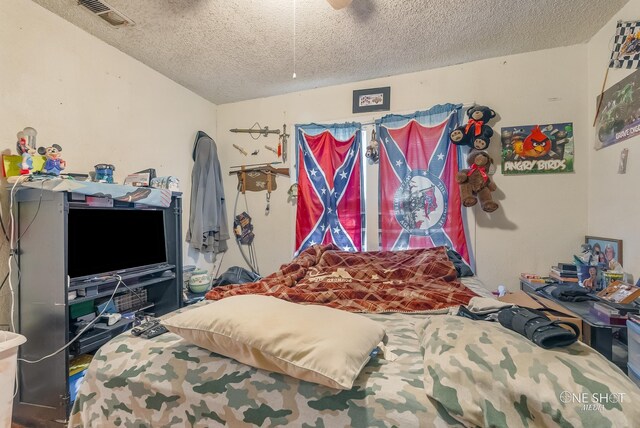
[{"x": 309, "y": 342}]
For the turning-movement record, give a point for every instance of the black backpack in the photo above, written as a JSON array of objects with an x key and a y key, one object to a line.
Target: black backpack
[{"x": 235, "y": 275}]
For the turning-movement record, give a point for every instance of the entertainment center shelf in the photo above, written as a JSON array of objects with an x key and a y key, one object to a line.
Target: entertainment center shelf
[
  {"x": 69, "y": 247},
  {"x": 125, "y": 278},
  {"x": 122, "y": 289}
]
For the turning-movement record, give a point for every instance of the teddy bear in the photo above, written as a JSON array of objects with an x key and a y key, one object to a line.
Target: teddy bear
[
  {"x": 475, "y": 129},
  {"x": 482, "y": 141},
  {"x": 475, "y": 183}
]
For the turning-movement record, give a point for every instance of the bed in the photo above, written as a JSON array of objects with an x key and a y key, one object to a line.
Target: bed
[
  {"x": 166, "y": 381},
  {"x": 441, "y": 371}
]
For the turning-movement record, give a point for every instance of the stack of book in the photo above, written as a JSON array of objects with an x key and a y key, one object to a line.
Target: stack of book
[
  {"x": 564, "y": 273},
  {"x": 532, "y": 278}
]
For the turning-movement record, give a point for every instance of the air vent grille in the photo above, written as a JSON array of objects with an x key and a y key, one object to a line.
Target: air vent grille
[
  {"x": 95, "y": 6},
  {"x": 106, "y": 12}
]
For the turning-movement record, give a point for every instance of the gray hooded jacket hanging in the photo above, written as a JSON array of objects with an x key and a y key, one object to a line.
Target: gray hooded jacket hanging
[{"x": 208, "y": 229}]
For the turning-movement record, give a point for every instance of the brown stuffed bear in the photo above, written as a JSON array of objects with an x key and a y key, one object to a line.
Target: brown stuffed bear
[{"x": 475, "y": 182}]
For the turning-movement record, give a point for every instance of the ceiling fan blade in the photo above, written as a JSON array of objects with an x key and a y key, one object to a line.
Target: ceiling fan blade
[{"x": 339, "y": 4}]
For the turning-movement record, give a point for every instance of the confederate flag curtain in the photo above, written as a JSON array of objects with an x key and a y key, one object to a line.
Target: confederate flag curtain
[
  {"x": 330, "y": 192},
  {"x": 419, "y": 196}
]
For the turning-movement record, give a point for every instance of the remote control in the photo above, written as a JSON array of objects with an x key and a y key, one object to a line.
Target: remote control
[
  {"x": 137, "y": 331},
  {"x": 154, "y": 331}
]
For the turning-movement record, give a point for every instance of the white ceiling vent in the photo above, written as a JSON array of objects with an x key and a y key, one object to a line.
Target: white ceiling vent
[{"x": 106, "y": 12}]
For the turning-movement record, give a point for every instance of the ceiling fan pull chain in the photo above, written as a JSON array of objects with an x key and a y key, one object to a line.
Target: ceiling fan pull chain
[{"x": 294, "y": 40}]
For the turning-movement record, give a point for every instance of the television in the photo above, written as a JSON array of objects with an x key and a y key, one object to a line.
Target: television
[{"x": 114, "y": 240}]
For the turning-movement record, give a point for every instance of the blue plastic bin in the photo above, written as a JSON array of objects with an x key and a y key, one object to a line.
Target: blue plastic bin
[
  {"x": 633, "y": 340},
  {"x": 634, "y": 374}
]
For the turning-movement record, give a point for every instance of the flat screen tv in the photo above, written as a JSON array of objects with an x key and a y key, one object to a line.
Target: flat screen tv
[{"x": 104, "y": 241}]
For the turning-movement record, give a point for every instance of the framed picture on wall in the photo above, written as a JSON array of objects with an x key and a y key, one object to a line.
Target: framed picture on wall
[
  {"x": 373, "y": 99},
  {"x": 605, "y": 250}
]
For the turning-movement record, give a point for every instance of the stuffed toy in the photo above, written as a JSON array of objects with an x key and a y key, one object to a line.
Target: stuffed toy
[
  {"x": 475, "y": 183},
  {"x": 54, "y": 164},
  {"x": 475, "y": 129},
  {"x": 482, "y": 141},
  {"x": 27, "y": 152}
]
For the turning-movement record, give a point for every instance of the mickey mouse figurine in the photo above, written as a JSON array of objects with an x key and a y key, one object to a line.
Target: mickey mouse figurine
[{"x": 54, "y": 164}]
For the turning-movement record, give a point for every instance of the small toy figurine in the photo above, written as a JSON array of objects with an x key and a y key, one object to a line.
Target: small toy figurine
[
  {"x": 373, "y": 153},
  {"x": 26, "y": 151},
  {"x": 54, "y": 163}
]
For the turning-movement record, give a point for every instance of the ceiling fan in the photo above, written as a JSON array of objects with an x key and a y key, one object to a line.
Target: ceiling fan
[{"x": 339, "y": 4}]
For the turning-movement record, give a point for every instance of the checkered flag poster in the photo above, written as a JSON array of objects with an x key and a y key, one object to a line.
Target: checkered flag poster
[{"x": 626, "y": 46}]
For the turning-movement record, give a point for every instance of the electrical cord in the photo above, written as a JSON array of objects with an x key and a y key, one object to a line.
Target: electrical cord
[
  {"x": 12, "y": 249},
  {"x": 217, "y": 270},
  {"x": 251, "y": 261},
  {"x": 37, "y": 211},
  {"x": 254, "y": 256},
  {"x": 4, "y": 229},
  {"x": 13, "y": 245},
  {"x": 85, "y": 328},
  {"x": 4, "y": 281}
]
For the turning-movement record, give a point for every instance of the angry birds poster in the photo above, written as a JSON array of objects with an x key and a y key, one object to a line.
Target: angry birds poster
[{"x": 537, "y": 149}]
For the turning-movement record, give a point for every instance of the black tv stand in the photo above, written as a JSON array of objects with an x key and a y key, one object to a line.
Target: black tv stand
[{"x": 45, "y": 301}]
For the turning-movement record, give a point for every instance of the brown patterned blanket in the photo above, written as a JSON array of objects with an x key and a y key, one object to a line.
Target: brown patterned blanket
[{"x": 373, "y": 282}]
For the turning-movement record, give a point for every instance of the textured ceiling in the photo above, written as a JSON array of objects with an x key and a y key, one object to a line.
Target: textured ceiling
[{"x": 231, "y": 50}]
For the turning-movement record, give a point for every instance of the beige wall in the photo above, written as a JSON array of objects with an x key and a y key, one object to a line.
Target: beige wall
[
  {"x": 613, "y": 198},
  {"x": 99, "y": 104},
  {"x": 542, "y": 219},
  {"x": 80, "y": 93}
]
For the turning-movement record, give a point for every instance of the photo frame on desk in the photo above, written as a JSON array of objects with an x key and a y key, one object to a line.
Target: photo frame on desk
[
  {"x": 605, "y": 248},
  {"x": 620, "y": 292}
]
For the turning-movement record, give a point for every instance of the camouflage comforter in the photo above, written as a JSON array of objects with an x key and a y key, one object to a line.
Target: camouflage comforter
[
  {"x": 166, "y": 382},
  {"x": 487, "y": 375}
]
